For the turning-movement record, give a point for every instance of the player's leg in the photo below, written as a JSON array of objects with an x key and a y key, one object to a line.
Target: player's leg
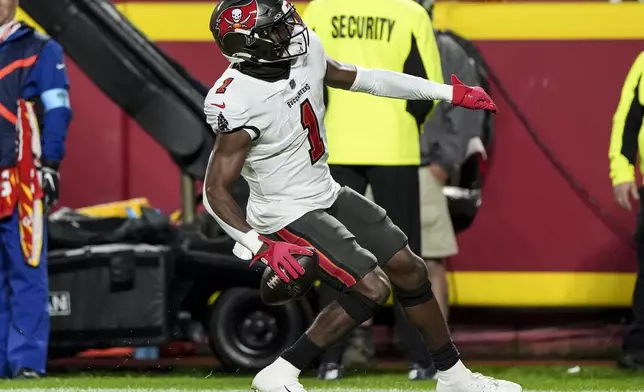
[
  {"x": 375, "y": 231},
  {"x": 396, "y": 189},
  {"x": 347, "y": 266},
  {"x": 421, "y": 366},
  {"x": 408, "y": 275},
  {"x": 29, "y": 332},
  {"x": 331, "y": 359}
]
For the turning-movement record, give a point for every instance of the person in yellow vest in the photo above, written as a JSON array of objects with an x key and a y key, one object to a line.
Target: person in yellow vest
[
  {"x": 626, "y": 140},
  {"x": 374, "y": 141}
]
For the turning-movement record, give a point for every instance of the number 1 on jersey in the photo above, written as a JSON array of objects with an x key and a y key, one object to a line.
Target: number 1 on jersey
[
  {"x": 311, "y": 125},
  {"x": 224, "y": 86}
]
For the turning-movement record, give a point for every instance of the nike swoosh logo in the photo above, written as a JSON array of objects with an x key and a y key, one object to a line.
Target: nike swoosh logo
[
  {"x": 60, "y": 66},
  {"x": 220, "y": 106},
  {"x": 287, "y": 390}
]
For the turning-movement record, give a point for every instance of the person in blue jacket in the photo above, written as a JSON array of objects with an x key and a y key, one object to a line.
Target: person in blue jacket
[{"x": 32, "y": 79}]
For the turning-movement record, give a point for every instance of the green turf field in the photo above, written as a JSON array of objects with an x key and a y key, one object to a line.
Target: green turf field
[{"x": 532, "y": 378}]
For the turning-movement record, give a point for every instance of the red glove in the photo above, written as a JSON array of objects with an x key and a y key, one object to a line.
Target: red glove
[
  {"x": 279, "y": 257},
  {"x": 471, "y": 97}
]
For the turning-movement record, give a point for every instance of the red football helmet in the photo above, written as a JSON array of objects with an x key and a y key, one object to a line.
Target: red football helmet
[{"x": 259, "y": 31}]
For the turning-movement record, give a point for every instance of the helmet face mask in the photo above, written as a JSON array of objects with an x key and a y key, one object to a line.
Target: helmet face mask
[
  {"x": 287, "y": 38},
  {"x": 277, "y": 34}
]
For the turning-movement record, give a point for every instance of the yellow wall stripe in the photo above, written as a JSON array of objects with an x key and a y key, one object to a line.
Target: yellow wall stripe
[
  {"x": 187, "y": 21},
  {"x": 543, "y": 21},
  {"x": 171, "y": 21},
  {"x": 541, "y": 289}
]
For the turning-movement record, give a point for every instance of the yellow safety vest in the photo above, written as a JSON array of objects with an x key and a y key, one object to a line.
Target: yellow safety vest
[
  {"x": 396, "y": 35},
  {"x": 626, "y": 138}
]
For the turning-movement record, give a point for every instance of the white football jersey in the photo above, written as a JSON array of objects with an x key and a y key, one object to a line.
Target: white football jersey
[{"x": 286, "y": 167}]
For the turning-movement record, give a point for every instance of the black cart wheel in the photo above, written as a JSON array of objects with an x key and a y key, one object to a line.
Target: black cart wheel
[{"x": 246, "y": 334}]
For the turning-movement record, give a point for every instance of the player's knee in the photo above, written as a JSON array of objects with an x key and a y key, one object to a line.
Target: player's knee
[
  {"x": 375, "y": 286},
  {"x": 365, "y": 297},
  {"x": 358, "y": 307},
  {"x": 409, "y": 297},
  {"x": 408, "y": 274},
  {"x": 406, "y": 270}
]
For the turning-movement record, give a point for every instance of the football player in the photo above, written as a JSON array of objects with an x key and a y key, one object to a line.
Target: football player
[{"x": 267, "y": 110}]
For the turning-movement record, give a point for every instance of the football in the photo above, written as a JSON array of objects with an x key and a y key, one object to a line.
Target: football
[{"x": 274, "y": 292}]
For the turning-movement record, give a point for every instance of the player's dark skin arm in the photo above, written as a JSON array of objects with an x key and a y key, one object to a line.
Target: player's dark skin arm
[
  {"x": 339, "y": 75},
  {"x": 223, "y": 170}
]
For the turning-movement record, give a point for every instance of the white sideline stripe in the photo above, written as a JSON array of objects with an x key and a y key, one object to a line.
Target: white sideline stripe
[{"x": 245, "y": 390}]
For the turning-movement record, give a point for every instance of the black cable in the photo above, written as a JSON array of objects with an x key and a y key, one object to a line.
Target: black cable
[{"x": 581, "y": 192}]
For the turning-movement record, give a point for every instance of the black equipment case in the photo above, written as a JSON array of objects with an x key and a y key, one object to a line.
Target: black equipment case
[{"x": 109, "y": 295}]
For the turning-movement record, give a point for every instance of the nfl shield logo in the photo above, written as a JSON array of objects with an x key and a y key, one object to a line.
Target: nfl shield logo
[{"x": 292, "y": 83}]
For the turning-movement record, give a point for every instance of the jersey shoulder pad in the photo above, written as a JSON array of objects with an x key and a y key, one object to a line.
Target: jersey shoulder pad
[
  {"x": 316, "y": 48},
  {"x": 225, "y": 113},
  {"x": 315, "y": 43}
]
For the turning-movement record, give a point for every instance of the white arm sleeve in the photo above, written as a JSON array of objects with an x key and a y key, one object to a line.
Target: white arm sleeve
[
  {"x": 392, "y": 84},
  {"x": 247, "y": 244}
]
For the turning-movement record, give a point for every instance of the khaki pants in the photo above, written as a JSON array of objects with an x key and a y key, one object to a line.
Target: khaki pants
[{"x": 437, "y": 233}]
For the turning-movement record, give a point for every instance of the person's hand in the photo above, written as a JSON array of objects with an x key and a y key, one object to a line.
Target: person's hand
[
  {"x": 50, "y": 183},
  {"x": 438, "y": 173},
  {"x": 471, "y": 97},
  {"x": 623, "y": 194},
  {"x": 278, "y": 255}
]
